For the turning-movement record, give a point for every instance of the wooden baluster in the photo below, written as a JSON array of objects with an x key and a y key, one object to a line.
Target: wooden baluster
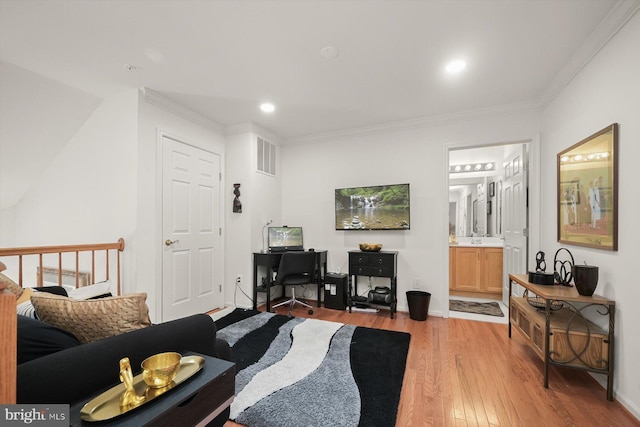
[
  {"x": 59, "y": 269},
  {"x": 92, "y": 279},
  {"x": 41, "y": 273},
  {"x": 107, "y": 256},
  {"x": 118, "y": 254},
  {"x": 20, "y": 270},
  {"x": 77, "y": 269}
]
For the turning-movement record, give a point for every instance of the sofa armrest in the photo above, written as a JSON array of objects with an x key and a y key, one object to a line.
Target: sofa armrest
[{"x": 78, "y": 373}]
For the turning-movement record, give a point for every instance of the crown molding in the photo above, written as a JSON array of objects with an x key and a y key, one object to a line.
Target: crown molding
[
  {"x": 615, "y": 20},
  {"x": 431, "y": 121},
  {"x": 251, "y": 127},
  {"x": 619, "y": 15},
  {"x": 161, "y": 101}
]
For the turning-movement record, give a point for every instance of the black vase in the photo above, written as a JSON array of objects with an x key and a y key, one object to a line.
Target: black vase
[{"x": 586, "y": 279}]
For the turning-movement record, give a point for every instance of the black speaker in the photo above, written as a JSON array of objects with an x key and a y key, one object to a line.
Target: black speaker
[{"x": 335, "y": 291}]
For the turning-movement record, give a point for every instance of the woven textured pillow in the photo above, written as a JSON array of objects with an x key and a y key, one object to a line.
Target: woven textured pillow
[
  {"x": 12, "y": 286},
  {"x": 92, "y": 320}
]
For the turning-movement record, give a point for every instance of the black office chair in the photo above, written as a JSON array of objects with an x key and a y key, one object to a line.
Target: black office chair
[{"x": 296, "y": 268}]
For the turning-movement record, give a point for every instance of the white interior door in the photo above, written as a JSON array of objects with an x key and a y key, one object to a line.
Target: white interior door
[
  {"x": 515, "y": 217},
  {"x": 192, "y": 259}
]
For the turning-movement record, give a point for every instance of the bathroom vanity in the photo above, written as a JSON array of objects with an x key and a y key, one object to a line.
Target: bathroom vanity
[{"x": 475, "y": 268}]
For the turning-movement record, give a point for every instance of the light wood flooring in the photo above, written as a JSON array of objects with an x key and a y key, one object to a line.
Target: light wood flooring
[{"x": 468, "y": 373}]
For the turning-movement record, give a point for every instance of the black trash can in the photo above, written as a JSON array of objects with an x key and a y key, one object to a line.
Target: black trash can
[{"x": 418, "y": 304}]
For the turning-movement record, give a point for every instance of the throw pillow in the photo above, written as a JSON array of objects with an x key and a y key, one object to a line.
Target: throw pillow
[
  {"x": 26, "y": 296},
  {"x": 37, "y": 339},
  {"x": 12, "y": 286},
  {"x": 56, "y": 290},
  {"x": 92, "y": 320},
  {"x": 26, "y": 309},
  {"x": 91, "y": 291}
]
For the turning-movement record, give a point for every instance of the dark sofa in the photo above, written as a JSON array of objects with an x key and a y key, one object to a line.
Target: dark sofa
[{"x": 70, "y": 375}]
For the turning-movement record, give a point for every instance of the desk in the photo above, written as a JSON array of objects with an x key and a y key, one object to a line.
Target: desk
[
  {"x": 269, "y": 260},
  {"x": 195, "y": 402},
  {"x": 564, "y": 337}
]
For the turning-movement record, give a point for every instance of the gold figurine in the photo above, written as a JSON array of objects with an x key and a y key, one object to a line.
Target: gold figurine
[{"x": 129, "y": 397}]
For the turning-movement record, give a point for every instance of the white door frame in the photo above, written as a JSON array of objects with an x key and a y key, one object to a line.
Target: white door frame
[
  {"x": 159, "y": 211},
  {"x": 534, "y": 205}
]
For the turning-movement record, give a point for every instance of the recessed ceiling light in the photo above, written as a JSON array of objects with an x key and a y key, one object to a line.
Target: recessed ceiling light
[
  {"x": 455, "y": 66},
  {"x": 329, "y": 52},
  {"x": 267, "y": 107}
]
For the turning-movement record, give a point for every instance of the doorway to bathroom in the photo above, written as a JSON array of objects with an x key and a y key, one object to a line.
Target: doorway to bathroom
[{"x": 488, "y": 221}]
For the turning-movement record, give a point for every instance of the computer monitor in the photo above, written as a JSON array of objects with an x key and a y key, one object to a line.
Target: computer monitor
[{"x": 285, "y": 239}]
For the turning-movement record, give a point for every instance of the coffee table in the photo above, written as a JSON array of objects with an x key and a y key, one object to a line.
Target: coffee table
[{"x": 197, "y": 401}]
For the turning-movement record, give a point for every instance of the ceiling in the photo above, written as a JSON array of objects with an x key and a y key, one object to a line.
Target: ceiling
[{"x": 221, "y": 59}]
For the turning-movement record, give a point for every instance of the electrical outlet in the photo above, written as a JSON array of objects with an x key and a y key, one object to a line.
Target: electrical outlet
[
  {"x": 238, "y": 279},
  {"x": 416, "y": 283},
  {"x": 338, "y": 270}
]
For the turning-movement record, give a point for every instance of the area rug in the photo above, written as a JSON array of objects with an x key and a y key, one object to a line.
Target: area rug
[
  {"x": 488, "y": 308},
  {"x": 309, "y": 372}
]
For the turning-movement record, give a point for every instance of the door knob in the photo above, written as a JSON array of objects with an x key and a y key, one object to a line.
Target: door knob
[{"x": 169, "y": 242}]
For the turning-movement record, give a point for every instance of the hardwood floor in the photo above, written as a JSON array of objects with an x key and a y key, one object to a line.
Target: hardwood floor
[{"x": 467, "y": 373}]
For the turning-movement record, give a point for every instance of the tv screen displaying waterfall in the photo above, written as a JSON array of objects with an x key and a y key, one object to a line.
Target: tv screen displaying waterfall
[{"x": 381, "y": 207}]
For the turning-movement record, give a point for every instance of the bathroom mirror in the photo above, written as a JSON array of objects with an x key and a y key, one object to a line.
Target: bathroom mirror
[{"x": 469, "y": 215}]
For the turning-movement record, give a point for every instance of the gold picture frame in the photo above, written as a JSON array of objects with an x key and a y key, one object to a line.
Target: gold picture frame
[{"x": 588, "y": 191}]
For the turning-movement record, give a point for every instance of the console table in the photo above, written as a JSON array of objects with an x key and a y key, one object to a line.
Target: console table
[
  {"x": 564, "y": 337},
  {"x": 373, "y": 264},
  {"x": 269, "y": 260}
]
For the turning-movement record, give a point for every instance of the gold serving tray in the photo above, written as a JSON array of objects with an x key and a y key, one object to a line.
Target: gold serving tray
[{"x": 107, "y": 405}]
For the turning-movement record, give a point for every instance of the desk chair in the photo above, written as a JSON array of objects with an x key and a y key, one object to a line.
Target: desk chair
[{"x": 296, "y": 268}]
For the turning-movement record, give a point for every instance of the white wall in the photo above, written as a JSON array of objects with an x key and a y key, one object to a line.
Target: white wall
[
  {"x": 606, "y": 91},
  {"x": 261, "y": 202},
  {"x": 87, "y": 193},
  {"x": 312, "y": 172},
  {"x": 79, "y": 197},
  {"x": 38, "y": 117},
  {"x": 238, "y": 236}
]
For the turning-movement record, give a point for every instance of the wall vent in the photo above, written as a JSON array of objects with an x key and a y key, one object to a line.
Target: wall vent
[{"x": 266, "y": 156}]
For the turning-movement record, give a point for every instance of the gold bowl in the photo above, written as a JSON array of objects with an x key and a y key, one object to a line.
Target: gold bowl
[
  {"x": 370, "y": 247},
  {"x": 160, "y": 370}
]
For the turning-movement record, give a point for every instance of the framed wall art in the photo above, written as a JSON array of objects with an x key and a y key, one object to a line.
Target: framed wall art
[{"x": 588, "y": 191}]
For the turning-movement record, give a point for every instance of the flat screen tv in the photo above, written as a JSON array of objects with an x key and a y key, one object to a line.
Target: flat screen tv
[{"x": 380, "y": 207}]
